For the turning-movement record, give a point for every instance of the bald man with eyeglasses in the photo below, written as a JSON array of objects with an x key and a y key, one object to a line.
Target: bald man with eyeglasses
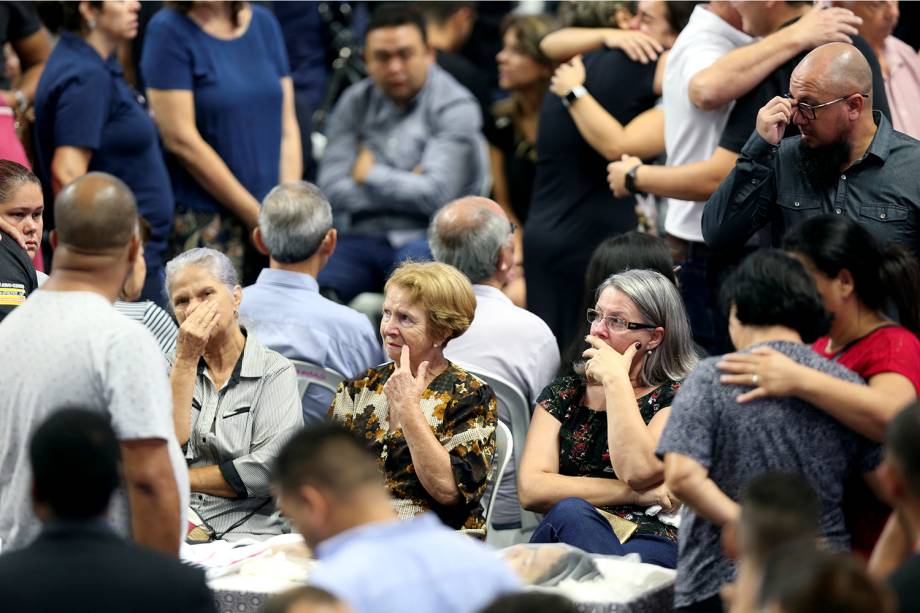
[{"x": 847, "y": 160}]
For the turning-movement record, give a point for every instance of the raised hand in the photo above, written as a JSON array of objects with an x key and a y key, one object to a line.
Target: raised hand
[
  {"x": 568, "y": 76},
  {"x": 196, "y": 330},
  {"x": 773, "y": 118},
  {"x": 638, "y": 46},
  {"x": 403, "y": 389},
  {"x": 605, "y": 363},
  {"x": 820, "y": 26}
]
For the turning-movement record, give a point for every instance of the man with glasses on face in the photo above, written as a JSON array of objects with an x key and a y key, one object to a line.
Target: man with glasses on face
[
  {"x": 401, "y": 143},
  {"x": 848, "y": 160}
]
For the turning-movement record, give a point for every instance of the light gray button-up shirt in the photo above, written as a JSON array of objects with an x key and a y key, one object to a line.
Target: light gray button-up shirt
[
  {"x": 241, "y": 428},
  {"x": 438, "y": 133}
]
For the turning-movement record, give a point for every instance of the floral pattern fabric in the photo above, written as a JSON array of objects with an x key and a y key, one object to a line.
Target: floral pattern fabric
[
  {"x": 461, "y": 411},
  {"x": 583, "y": 449}
]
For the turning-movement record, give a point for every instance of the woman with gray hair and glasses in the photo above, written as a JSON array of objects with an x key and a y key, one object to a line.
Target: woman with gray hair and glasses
[
  {"x": 235, "y": 402},
  {"x": 589, "y": 462}
]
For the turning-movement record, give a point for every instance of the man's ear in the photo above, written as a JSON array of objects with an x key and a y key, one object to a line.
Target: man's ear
[
  {"x": 134, "y": 247},
  {"x": 53, "y": 239},
  {"x": 258, "y": 242},
  {"x": 327, "y": 247}
]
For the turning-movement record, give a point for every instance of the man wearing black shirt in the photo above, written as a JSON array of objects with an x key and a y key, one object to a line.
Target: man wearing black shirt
[{"x": 847, "y": 161}]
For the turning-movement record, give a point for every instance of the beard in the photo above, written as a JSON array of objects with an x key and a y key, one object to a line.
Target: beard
[{"x": 821, "y": 165}]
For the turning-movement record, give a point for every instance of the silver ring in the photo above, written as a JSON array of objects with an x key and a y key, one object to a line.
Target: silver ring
[{"x": 755, "y": 380}]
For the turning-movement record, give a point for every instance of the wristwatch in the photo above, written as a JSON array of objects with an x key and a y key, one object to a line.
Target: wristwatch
[
  {"x": 629, "y": 181},
  {"x": 573, "y": 94}
]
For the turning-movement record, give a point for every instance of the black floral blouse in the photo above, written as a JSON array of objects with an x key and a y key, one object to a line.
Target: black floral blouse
[
  {"x": 583, "y": 448},
  {"x": 461, "y": 411}
]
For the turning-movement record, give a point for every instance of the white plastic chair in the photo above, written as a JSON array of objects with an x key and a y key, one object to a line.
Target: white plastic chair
[
  {"x": 313, "y": 374},
  {"x": 504, "y": 446},
  {"x": 518, "y": 409}
]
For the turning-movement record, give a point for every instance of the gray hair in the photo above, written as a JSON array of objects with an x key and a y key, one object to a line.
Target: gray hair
[
  {"x": 211, "y": 260},
  {"x": 294, "y": 219},
  {"x": 659, "y": 303},
  {"x": 471, "y": 247}
]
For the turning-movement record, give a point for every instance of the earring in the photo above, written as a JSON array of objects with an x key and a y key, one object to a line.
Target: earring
[
  {"x": 91, "y": 24},
  {"x": 436, "y": 344}
]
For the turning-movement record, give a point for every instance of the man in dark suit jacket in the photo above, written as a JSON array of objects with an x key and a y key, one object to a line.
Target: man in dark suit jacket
[{"x": 78, "y": 564}]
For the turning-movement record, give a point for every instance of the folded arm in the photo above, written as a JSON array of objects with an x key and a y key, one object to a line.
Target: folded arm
[{"x": 689, "y": 481}]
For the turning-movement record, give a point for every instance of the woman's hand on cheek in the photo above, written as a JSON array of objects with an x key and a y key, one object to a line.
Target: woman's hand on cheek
[{"x": 605, "y": 364}]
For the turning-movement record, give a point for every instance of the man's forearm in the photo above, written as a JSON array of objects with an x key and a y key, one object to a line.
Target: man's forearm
[
  {"x": 739, "y": 71},
  {"x": 209, "y": 480},
  {"x": 694, "y": 182}
]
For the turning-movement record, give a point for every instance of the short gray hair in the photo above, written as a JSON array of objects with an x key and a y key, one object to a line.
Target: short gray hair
[
  {"x": 211, "y": 260},
  {"x": 294, "y": 219},
  {"x": 659, "y": 303},
  {"x": 472, "y": 248}
]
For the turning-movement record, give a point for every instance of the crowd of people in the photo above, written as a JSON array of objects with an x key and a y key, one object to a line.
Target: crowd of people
[{"x": 685, "y": 234}]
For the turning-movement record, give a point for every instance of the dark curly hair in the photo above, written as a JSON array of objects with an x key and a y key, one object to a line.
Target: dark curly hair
[{"x": 772, "y": 288}]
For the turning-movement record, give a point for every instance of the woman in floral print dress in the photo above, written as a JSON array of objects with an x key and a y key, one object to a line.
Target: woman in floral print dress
[
  {"x": 590, "y": 461},
  {"x": 431, "y": 423}
]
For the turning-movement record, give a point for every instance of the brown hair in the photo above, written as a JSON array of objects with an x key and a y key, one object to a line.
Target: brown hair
[
  {"x": 13, "y": 176},
  {"x": 184, "y": 6},
  {"x": 443, "y": 291},
  {"x": 530, "y": 30}
]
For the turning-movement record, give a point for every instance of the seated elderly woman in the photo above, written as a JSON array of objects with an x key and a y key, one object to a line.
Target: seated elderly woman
[
  {"x": 592, "y": 439},
  {"x": 431, "y": 423},
  {"x": 235, "y": 402}
]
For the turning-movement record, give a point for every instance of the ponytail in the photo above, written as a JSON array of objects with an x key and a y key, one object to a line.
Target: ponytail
[
  {"x": 885, "y": 280},
  {"x": 900, "y": 277}
]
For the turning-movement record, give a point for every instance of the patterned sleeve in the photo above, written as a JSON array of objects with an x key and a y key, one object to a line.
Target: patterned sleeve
[
  {"x": 557, "y": 397},
  {"x": 469, "y": 436}
]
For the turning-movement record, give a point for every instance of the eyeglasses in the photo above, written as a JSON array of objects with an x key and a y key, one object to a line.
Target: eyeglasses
[
  {"x": 513, "y": 227},
  {"x": 616, "y": 324},
  {"x": 808, "y": 110}
]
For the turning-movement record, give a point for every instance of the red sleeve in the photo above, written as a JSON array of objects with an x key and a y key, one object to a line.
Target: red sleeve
[{"x": 893, "y": 349}]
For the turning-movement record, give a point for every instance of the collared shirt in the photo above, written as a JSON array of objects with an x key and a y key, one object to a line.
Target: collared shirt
[
  {"x": 286, "y": 312},
  {"x": 903, "y": 86},
  {"x": 692, "y": 134},
  {"x": 240, "y": 428},
  {"x": 881, "y": 191},
  {"x": 438, "y": 132},
  {"x": 416, "y": 565},
  {"x": 527, "y": 357}
]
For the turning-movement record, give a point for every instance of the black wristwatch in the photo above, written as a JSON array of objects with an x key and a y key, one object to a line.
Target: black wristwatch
[
  {"x": 573, "y": 94},
  {"x": 629, "y": 181}
]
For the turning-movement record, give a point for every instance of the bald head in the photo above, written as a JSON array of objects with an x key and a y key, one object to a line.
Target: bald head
[
  {"x": 468, "y": 234},
  {"x": 95, "y": 213},
  {"x": 837, "y": 68}
]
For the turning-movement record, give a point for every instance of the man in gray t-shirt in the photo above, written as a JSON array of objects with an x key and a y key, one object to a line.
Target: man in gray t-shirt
[
  {"x": 734, "y": 443},
  {"x": 67, "y": 347}
]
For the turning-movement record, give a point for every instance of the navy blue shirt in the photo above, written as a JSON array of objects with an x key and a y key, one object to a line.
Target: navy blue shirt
[
  {"x": 83, "y": 101},
  {"x": 236, "y": 85}
]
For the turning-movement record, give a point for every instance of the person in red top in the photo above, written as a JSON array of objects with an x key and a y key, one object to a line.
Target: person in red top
[{"x": 861, "y": 284}]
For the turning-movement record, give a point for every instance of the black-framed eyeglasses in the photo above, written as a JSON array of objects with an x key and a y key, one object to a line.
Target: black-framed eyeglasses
[
  {"x": 808, "y": 110},
  {"x": 614, "y": 323},
  {"x": 513, "y": 227}
]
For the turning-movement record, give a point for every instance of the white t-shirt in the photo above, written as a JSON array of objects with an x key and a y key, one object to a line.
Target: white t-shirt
[
  {"x": 73, "y": 350},
  {"x": 690, "y": 134}
]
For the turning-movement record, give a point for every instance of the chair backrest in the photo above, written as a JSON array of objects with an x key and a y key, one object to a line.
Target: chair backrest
[
  {"x": 518, "y": 409},
  {"x": 313, "y": 374},
  {"x": 504, "y": 446}
]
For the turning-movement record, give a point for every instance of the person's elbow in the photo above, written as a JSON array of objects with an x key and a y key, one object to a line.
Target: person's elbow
[
  {"x": 446, "y": 493},
  {"x": 704, "y": 94},
  {"x": 529, "y": 493},
  {"x": 681, "y": 479},
  {"x": 179, "y": 141},
  {"x": 643, "y": 477}
]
